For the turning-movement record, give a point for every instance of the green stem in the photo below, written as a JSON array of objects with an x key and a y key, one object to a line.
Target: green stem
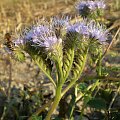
[
  {"x": 68, "y": 87},
  {"x": 55, "y": 102},
  {"x": 58, "y": 88}
]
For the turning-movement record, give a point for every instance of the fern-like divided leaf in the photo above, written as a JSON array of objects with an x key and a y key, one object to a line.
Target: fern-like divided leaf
[
  {"x": 79, "y": 60},
  {"x": 68, "y": 55},
  {"x": 68, "y": 60}
]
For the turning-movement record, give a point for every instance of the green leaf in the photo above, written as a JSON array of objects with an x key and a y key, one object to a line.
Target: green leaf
[{"x": 97, "y": 103}]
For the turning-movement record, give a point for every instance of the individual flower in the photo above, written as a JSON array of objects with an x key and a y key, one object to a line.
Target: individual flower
[{"x": 19, "y": 42}]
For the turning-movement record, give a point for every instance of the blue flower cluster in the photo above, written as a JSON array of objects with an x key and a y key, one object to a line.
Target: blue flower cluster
[{"x": 45, "y": 36}]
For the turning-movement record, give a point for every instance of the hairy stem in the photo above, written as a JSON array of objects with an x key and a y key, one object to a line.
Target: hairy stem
[
  {"x": 58, "y": 89},
  {"x": 55, "y": 102}
]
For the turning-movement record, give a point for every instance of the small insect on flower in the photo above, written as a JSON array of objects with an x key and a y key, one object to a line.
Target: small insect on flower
[
  {"x": 11, "y": 48},
  {"x": 8, "y": 42}
]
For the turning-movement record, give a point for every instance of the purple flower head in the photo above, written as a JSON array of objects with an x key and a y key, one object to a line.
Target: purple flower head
[
  {"x": 32, "y": 35},
  {"x": 97, "y": 31},
  {"x": 82, "y": 28},
  {"x": 40, "y": 36},
  {"x": 59, "y": 25},
  {"x": 81, "y": 5},
  {"x": 46, "y": 38}
]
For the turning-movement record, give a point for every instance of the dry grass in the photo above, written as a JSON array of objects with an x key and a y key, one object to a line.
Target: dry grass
[{"x": 15, "y": 14}]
